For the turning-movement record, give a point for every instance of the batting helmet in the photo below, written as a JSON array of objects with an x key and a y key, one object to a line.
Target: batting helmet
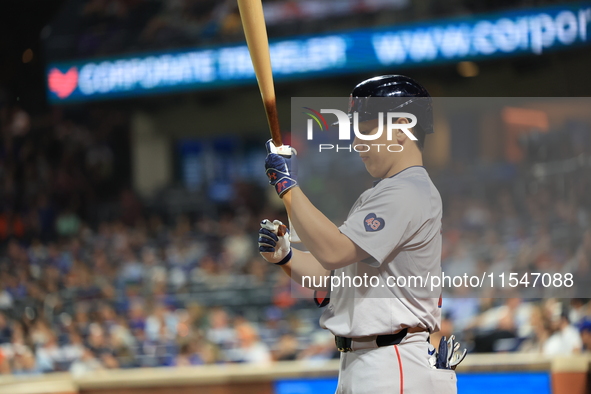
[{"x": 393, "y": 93}]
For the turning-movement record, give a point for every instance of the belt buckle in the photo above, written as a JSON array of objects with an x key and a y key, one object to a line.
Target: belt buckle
[{"x": 343, "y": 344}]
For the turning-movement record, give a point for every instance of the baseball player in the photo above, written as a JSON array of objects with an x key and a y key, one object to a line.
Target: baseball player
[{"x": 393, "y": 230}]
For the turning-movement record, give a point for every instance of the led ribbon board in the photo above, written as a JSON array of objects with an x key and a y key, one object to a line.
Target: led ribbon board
[{"x": 532, "y": 31}]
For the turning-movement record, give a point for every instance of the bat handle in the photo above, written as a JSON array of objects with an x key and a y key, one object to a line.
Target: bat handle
[
  {"x": 273, "y": 118},
  {"x": 281, "y": 230}
]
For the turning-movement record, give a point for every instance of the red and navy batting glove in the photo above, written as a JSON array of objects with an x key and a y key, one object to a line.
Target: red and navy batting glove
[{"x": 281, "y": 167}]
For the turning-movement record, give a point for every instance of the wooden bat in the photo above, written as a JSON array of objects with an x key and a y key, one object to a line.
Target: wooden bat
[
  {"x": 255, "y": 30},
  {"x": 253, "y": 23}
]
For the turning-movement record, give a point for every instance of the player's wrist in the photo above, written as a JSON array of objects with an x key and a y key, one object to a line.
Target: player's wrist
[
  {"x": 286, "y": 188},
  {"x": 286, "y": 259}
]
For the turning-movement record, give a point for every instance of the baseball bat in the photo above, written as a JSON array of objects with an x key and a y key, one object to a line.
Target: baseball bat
[
  {"x": 253, "y": 23},
  {"x": 255, "y": 31}
]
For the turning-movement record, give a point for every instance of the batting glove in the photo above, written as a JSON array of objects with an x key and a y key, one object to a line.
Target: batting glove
[
  {"x": 274, "y": 248},
  {"x": 441, "y": 362},
  {"x": 454, "y": 355},
  {"x": 449, "y": 354},
  {"x": 281, "y": 167}
]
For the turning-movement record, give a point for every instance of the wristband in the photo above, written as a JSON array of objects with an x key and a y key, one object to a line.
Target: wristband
[{"x": 285, "y": 259}]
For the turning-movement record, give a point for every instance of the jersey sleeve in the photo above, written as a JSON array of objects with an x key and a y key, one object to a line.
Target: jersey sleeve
[{"x": 384, "y": 222}]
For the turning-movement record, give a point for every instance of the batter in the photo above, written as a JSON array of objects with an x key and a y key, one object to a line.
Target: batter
[{"x": 392, "y": 231}]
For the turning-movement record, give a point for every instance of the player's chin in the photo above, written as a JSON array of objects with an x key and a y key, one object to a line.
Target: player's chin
[{"x": 372, "y": 170}]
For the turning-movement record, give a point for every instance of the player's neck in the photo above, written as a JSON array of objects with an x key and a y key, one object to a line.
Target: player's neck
[{"x": 409, "y": 160}]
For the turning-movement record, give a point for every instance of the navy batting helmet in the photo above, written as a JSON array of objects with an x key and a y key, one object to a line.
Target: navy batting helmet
[{"x": 393, "y": 93}]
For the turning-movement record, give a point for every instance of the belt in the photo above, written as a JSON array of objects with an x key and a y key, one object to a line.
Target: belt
[{"x": 345, "y": 344}]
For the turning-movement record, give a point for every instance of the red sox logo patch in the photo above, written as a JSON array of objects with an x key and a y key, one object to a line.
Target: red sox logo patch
[{"x": 373, "y": 223}]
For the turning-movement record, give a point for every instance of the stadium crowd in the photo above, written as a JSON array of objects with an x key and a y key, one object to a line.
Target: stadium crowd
[
  {"x": 87, "y": 28},
  {"x": 138, "y": 289},
  {"x": 103, "y": 27}
]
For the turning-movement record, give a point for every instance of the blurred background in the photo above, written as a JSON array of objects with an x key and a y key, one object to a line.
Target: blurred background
[{"x": 131, "y": 182}]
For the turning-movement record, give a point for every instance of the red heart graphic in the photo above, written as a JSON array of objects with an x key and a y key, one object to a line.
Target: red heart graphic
[{"x": 63, "y": 84}]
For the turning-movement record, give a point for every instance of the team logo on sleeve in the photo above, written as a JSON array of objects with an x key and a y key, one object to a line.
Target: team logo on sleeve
[{"x": 373, "y": 223}]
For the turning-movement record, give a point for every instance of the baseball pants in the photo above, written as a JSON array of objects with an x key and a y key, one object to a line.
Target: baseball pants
[{"x": 397, "y": 369}]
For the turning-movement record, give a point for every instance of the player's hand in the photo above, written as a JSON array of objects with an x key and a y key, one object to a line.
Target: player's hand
[
  {"x": 281, "y": 167},
  {"x": 274, "y": 248},
  {"x": 449, "y": 354},
  {"x": 454, "y": 355}
]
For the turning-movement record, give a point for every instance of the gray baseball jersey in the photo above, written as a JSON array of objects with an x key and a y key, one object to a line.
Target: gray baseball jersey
[{"x": 398, "y": 223}]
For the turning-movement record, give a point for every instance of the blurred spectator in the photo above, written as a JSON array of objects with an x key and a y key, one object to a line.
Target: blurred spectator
[
  {"x": 159, "y": 319},
  {"x": 564, "y": 340},
  {"x": 250, "y": 349},
  {"x": 24, "y": 363},
  {"x": 286, "y": 348},
  {"x": 73, "y": 350},
  {"x": 86, "y": 363},
  {"x": 579, "y": 308},
  {"x": 219, "y": 331},
  {"x": 187, "y": 356},
  {"x": 48, "y": 354},
  {"x": 5, "y": 329},
  {"x": 541, "y": 330}
]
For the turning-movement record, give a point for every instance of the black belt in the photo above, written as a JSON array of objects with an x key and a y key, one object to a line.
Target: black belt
[{"x": 344, "y": 344}]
